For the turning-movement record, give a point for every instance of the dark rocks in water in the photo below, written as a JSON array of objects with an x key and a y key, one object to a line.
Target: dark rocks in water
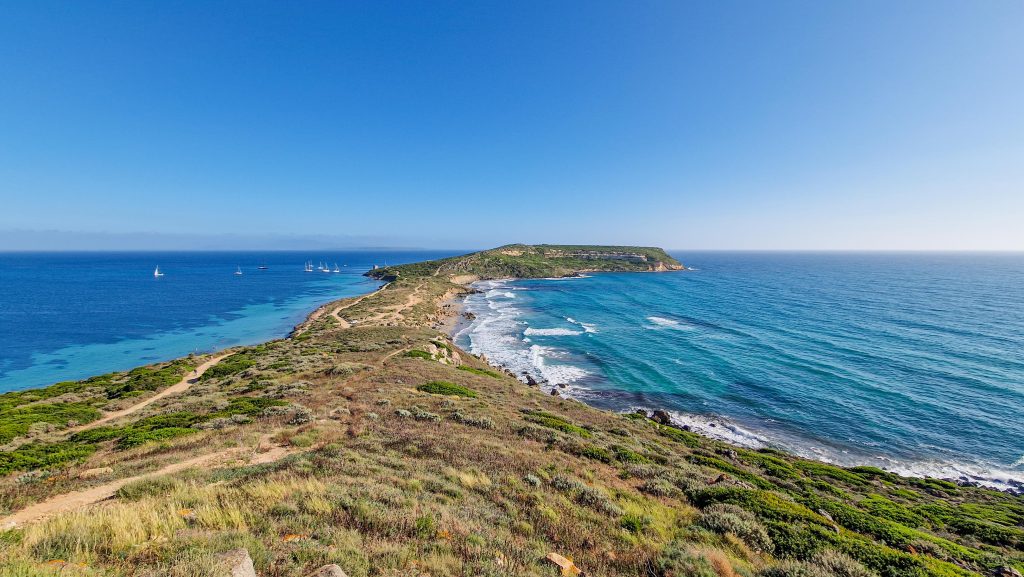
[
  {"x": 468, "y": 316},
  {"x": 640, "y": 412},
  {"x": 530, "y": 380},
  {"x": 554, "y": 393},
  {"x": 685, "y": 427},
  {"x": 661, "y": 417},
  {"x": 562, "y": 385}
]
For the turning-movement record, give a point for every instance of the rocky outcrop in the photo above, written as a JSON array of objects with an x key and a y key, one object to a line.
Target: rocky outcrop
[
  {"x": 238, "y": 563},
  {"x": 661, "y": 417}
]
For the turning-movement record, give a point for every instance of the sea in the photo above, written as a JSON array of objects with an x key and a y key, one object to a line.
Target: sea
[
  {"x": 913, "y": 363},
  {"x": 68, "y": 316}
]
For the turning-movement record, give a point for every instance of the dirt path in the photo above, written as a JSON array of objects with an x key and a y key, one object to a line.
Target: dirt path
[
  {"x": 180, "y": 387},
  {"x": 335, "y": 312},
  {"x": 77, "y": 499}
]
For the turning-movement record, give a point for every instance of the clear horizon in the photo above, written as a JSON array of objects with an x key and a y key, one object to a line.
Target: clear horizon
[{"x": 733, "y": 126}]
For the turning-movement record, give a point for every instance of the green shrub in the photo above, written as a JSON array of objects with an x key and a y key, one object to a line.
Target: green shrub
[
  {"x": 675, "y": 560},
  {"x": 721, "y": 465},
  {"x": 481, "y": 372},
  {"x": 446, "y": 388},
  {"x": 627, "y": 455},
  {"x": 635, "y": 523},
  {"x": 228, "y": 366},
  {"x": 16, "y": 422},
  {"x": 840, "y": 565},
  {"x": 418, "y": 354},
  {"x": 591, "y": 452},
  {"x": 43, "y": 455},
  {"x": 881, "y": 507},
  {"x": 726, "y": 518},
  {"x": 687, "y": 438},
  {"x": 551, "y": 421}
]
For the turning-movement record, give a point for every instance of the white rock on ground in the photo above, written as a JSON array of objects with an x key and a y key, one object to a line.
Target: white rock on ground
[{"x": 239, "y": 563}]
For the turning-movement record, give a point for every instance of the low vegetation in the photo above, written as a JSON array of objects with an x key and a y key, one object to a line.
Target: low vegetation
[{"x": 343, "y": 445}]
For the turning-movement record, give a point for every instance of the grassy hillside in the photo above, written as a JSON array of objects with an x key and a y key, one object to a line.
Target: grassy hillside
[
  {"x": 538, "y": 261},
  {"x": 370, "y": 440}
]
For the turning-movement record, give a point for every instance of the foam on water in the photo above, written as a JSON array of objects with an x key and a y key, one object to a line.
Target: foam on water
[{"x": 553, "y": 332}]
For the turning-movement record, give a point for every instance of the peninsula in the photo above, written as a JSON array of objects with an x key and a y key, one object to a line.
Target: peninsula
[{"x": 368, "y": 443}]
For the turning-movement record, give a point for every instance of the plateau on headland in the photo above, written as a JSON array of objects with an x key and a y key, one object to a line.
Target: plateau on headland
[
  {"x": 368, "y": 443},
  {"x": 537, "y": 261}
]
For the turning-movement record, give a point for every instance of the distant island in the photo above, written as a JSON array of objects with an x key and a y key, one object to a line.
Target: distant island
[{"x": 368, "y": 443}]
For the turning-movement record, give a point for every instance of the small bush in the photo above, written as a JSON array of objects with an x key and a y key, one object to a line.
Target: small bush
[
  {"x": 840, "y": 565},
  {"x": 481, "y": 372},
  {"x": 446, "y": 388},
  {"x": 479, "y": 422},
  {"x": 555, "y": 422},
  {"x": 724, "y": 518},
  {"x": 418, "y": 354}
]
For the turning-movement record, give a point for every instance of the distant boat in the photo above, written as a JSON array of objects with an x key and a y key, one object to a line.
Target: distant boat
[
  {"x": 336, "y": 269},
  {"x": 238, "y": 272},
  {"x": 263, "y": 267},
  {"x": 157, "y": 273},
  {"x": 309, "y": 266}
]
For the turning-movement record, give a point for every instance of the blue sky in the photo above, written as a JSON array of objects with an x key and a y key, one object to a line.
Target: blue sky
[{"x": 730, "y": 125}]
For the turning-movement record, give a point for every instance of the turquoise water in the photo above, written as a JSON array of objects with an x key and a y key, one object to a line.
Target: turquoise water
[
  {"x": 68, "y": 316},
  {"x": 910, "y": 362}
]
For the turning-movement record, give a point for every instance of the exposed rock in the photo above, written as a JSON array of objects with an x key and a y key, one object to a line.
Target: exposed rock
[
  {"x": 1006, "y": 572},
  {"x": 93, "y": 473},
  {"x": 554, "y": 393},
  {"x": 238, "y": 562},
  {"x": 530, "y": 380},
  {"x": 331, "y": 570},
  {"x": 661, "y": 417}
]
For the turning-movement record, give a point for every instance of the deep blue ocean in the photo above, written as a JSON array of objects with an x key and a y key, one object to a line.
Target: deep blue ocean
[
  {"x": 73, "y": 315},
  {"x": 909, "y": 362}
]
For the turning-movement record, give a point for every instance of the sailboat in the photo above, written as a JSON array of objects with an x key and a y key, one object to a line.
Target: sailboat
[
  {"x": 336, "y": 269},
  {"x": 238, "y": 272},
  {"x": 309, "y": 266},
  {"x": 157, "y": 273},
  {"x": 327, "y": 267},
  {"x": 263, "y": 266}
]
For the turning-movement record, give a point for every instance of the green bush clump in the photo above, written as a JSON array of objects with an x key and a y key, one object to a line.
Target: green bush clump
[
  {"x": 635, "y": 523},
  {"x": 627, "y": 455},
  {"x": 249, "y": 406},
  {"x": 726, "y": 518},
  {"x": 446, "y": 388},
  {"x": 721, "y": 465},
  {"x": 675, "y": 560},
  {"x": 687, "y": 438},
  {"x": 481, "y": 372},
  {"x": 591, "y": 452},
  {"x": 551, "y": 421},
  {"x": 148, "y": 379},
  {"x": 816, "y": 469},
  {"x": 43, "y": 455},
  {"x": 881, "y": 507},
  {"x": 418, "y": 354},
  {"x": 228, "y": 366},
  {"x": 774, "y": 466},
  {"x": 16, "y": 422},
  {"x": 135, "y": 437},
  {"x": 765, "y": 504}
]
